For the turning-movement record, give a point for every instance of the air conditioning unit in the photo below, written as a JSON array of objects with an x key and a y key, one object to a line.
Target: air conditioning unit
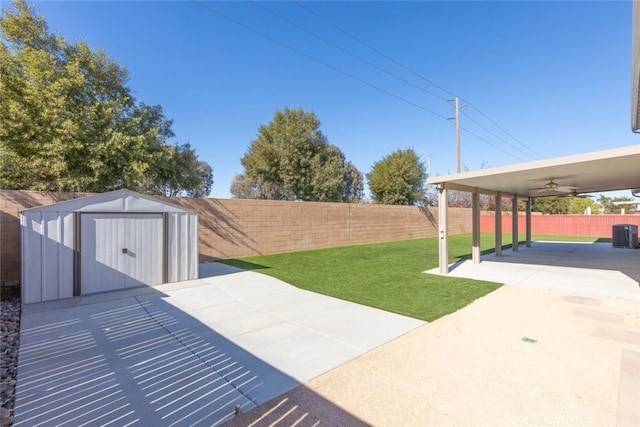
[{"x": 625, "y": 236}]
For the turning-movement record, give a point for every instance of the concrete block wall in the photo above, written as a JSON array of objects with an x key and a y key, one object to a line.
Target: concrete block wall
[
  {"x": 9, "y": 247},
  {"x": 230, "y": 228}
]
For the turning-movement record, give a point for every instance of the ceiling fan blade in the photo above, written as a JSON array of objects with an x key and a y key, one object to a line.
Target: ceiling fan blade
[{"x": 576, "y": 194}]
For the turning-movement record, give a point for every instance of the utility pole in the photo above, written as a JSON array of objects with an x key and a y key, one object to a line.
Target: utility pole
[{"x": 457, "y": 118}]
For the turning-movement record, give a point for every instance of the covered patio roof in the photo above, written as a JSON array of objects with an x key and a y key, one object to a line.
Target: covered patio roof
[{"x": 609, "y": 170}]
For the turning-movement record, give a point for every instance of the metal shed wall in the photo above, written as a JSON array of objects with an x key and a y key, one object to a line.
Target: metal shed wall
[
  {"x": 50, "y": 238},
  {"x": 47, "y": 256},
  {"x": 182, "y": 245}
]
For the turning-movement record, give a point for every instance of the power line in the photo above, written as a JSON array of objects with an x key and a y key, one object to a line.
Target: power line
[
  {"x": 507, "y": 133},
  {"x": 342, "y": 30},
  {"x": 350, "y": 75},
  {"x": 306, "y": 55},
  {"x": 362, "y": 42},
  {"x": 341, "y": 49},
  {"x": 498, "y": 137},
  {"x": 491, "y": 144}
]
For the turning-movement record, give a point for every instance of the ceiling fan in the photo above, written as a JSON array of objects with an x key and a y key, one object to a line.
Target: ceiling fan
[{"x": 553, "y": 186}]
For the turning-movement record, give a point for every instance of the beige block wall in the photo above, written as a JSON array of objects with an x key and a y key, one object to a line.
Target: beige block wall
[{"x": 231, "y": 228}]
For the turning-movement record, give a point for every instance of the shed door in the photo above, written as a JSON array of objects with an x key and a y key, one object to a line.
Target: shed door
[{"x": 120, "y": 251}]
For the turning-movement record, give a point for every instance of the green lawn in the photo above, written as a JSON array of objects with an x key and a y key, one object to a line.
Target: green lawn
[
  {"x": 571, "y": 239},
  {"x": 388, "y": 276}
]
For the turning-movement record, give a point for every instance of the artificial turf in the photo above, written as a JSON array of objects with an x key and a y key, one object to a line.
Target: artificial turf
[{"x": 388, "y": 276}]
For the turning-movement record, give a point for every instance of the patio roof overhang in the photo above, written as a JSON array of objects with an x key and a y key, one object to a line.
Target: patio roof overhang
[{"x": 609, "y": 170}]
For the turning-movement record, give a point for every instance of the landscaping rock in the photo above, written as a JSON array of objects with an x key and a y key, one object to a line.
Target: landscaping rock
[
  {"x": 10, "y": 309},
  {"x": 6, "y": 419}
]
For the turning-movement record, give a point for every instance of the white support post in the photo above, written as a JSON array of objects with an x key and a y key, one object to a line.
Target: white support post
[
  {"x": 443, "y": 232},
  {"x": 528, "y": 222},
  {"x": 498, "y": 227},
  {"x": 514, "y": 224},
  {"x": 475, "y": 227}
]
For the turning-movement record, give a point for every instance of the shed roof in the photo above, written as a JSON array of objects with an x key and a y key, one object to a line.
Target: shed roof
[
  {"x": 114, "y": 201},
  {"x": 609, "y": 170}
]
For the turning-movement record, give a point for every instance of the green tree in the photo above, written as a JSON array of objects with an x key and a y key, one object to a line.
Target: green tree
[
  {"x": 606, "y": 204},
  {"x": 179, "y": 172},
  {"x": 292, "y": 160},
  {"x": 352, "y": 185},
  {"x": 552, "y": 205},
  {"x": 579, "y": 205},
  {"x": 68, "y": 121},
  {"x": 398, "y": 179}
]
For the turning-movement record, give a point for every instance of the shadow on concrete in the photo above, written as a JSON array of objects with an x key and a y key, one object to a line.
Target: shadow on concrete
[
  {"x": 603, "y": 240},
  {"x": 134, "y": 359},
  {"x": 244, "y": 265},
  {"x": 128, "y": 357},
  {"x": 190, "y": 353},
  {"x": 300, "y": 407},
  {"x": 223, "y": 268}
]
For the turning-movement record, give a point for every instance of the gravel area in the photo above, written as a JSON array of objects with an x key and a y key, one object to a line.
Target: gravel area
[{"x": 10, "y": 330}]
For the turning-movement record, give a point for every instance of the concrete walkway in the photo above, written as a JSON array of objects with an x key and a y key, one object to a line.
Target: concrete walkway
[
  {"x": 187, "y": 353},
  {"x": 596, "y": 269},
  {"x": 561, "y": 347}
]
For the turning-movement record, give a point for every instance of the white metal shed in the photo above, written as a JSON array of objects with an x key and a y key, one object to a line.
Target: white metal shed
[{"x": 106, "y": 242}]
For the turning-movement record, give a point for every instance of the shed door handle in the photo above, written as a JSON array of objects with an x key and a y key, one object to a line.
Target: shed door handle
[{"x": 124, "y": 250}]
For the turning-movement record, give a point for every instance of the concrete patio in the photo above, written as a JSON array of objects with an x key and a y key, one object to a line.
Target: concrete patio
[
  {"x": 186, "y": 353},
  {"x": 596, "y": 269}
]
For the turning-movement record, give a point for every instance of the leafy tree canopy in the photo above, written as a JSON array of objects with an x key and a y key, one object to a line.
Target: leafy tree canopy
[
  {"x": 180, "y": 173},
  {"x": 398, "y": 179},
  {"x": 68, "y": 121},
  {"x": 292, "y": 160},
  {"x": 580, "y": 205},
  {"x": 551, "y": 205},
  {"x": 555, "y": 205}
]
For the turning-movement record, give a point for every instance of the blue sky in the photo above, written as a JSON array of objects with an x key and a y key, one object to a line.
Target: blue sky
[{"x": 554, "y": 75}]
